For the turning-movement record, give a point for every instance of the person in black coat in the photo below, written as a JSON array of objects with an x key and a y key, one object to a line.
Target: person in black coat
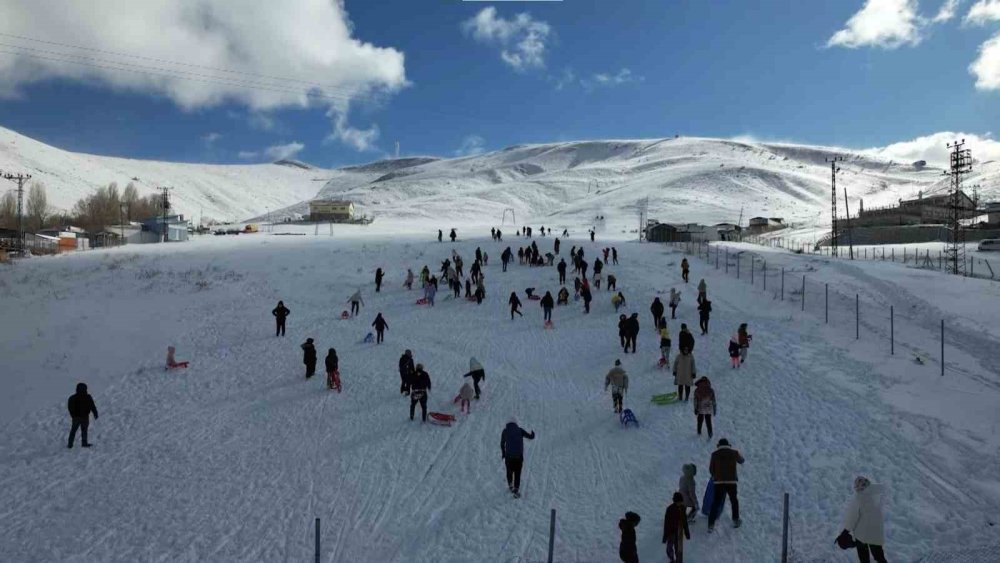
[
  {"x": 453, "y": 235},
  {"x": 309, "y": 357},
  {"x": 556, "y": 245},
  {"x": 657, "y": 310},
  {"x": 547, "y": 305},
  {"x": 378, "y": 280},
  {"x": 512, "y": 453},
  {"x": 406, "y": 370},
  {"x": 505, "y": 257},
  {"x": 704, "y": 311},
  {"x": 685, "y": 341},
  {"x": 675, "y": 529},
  {"x": 562, "y": 271},
  {"x": 515, "y": 304},
  {"x": 631, "y": 331},
  {"x": 280, "y": 314},
  {"x": 587, "y": 297},
  {"x": 80, "y": 405},
  {"x": 622, "y": 331},
  {"x": 380, "y": 326},
  {"x": 332, "y": 368},
  {"x": 440, "y": 235},
  {"x": 614, "y": 256},
  {"x": 627, "y": 550},
  {"x": 420, "y": 385}
]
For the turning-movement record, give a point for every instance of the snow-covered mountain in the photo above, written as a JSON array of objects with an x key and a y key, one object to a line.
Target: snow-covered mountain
[{"x": 221, "y": 192}]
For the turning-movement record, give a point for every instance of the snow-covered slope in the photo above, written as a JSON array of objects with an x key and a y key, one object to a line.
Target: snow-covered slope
[{"x": 221, "y": 192}]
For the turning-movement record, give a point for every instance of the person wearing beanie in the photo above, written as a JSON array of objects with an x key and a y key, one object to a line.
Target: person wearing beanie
[
  {"x": 675, "y": 529},
  {"x": 80, "y": 405},
  {"x": 722, "y": 467},
  {"x": 627, "y": 550},
  {"x": 406, "y": 370}
]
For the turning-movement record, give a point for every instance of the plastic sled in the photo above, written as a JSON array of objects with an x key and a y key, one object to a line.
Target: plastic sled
[
  {"x": 441, "y": 419},
  {"x": 345, "y": 315},
  {"x": 708, "y": 499},
  {"x": 178, "y": 365},
  {"x": 548, "y": 324},
  {"x": 369, "y": 338},
  {"x": 470, "y": 298},
  {"x": 628, "y": 417},
  {"x": 665, "y": 399},
  {"x": 535, "y": 297},
  {"x": 333, "y": 381},
  {"x": 422, "y": 301},
  {"x": 661, "y": 362}
]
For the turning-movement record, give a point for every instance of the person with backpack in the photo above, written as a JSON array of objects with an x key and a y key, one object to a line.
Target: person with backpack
[
  {"x": 505, "y": 257},
  {"x": 722, "y": 467},
  {"x": 631, "y": 331},
  {"x": 280, "y": 313},
  {"x": 734, "y": 351},
  {"x": 863, "y": 518},
  {"x": 420, "y": 386},
  {"x": 675, "y": 299},
  {"x": 684, "y": 374},
  {"x": 406, "y": 370},
  {"x": 378, "y": 280},
  {"x": 80, "y": 405},
  {"x": 512, "y": 453},
  {"x": 704, "y": 312},
  {"x": 622, "y": 331},
  {"x": 627, "y": 550},
  {"x": 380, "y": 326},
  {"x": 702, "y": 291},
  {"x": 515, "y": 305},
  {"x": 675, "y": 529},
  {"x": 356, "y": 302},
  {"x": 688, "y": 489},
  {"x": 563, "y": 297},
  {"x": 617, "y": 379},
  {"x": 547, "y": 305},
  {"x": 657, "y": 310},
  {"x": 477, "y": 373},
  {"x": 309, "y": 357},
  {"x": 685, "y": 269},
  {"x": 561, "y": 268},
  {"x": 745, "y": 339},
  {"x": 685, "y": 341},
  {"x": 332, "y": 370},
  {"x": 704, "y": 404}
]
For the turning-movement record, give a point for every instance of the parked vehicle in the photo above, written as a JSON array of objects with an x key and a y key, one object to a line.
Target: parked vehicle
[{"x": 989, "y": 244}]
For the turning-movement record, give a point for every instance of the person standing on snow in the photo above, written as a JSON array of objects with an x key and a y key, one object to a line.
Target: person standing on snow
[
  {"x": 440, "y": 235},
  {"x": 723, "y": 470},
  {"x": 592, "y": 235},
  {"x": 80, "y": 405},
  {"x": 332, "y": 363},
  {"x": 704, "y": 312},
  {"x": 664, "y": 342},
  {"x": 309, "y": 357},
  {"x": 561, "y": 268},
  {"x": 547, "y": 305},
  {"x": 408, "y": 283},
  {"x": 477, "y": 373},
  {"x": 618, "y": 300},
  {"x": 704, "y": 404},
  {"x": 515, "y": 305},
  {"x": 479, "y": 254},
  {"x": 406, "y": 370},
  {"x": 631, "y": 331},
  {"x": 685, "y": 269},
  {"x": 657, "y": 310},
  {"x": 612, "y": 281},
  {"x": 420, "y": 385},
  {"x": 614, "y": 256},
  {"x": 356, "y": 302},
  {"x": 464, "y": 397},
  {"x": 864, "y": 520},
  {"x": 480, "y": 291},
  {"x": 617, "y": 379},
  {"x": 280, "y": 313},
  {"x": 745, "y": 339},
  {"x": 380, "y": 326},
  {"x": 675, "y": 299},
  {"x": 734, "y": 351},
  {"x": 453, "y": 235},
  {"x": 430, "y": 290},
  {"x": 622, "y": 331},
  {"x": 684, "y": 374},
  {"x": 556, "y": 245},
  {"x": 675, "y": 529},
  {"x": 378, "y": 280},
  {"x": 627, "y": 550},
  {"x": 576, "y": 287},
  {"x": 505, "y": 257},
  {"x": 685, "y": 341},
  {"x": 587, "y": 297},
  {"x": 512, "y": 452},
  {"x": 688, "y": 488},
  {"x": 702, "y": 291}
]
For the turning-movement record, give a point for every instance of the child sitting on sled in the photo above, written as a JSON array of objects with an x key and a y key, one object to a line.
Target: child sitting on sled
[
  {"x": 171, "y": 362},
  {"x": 465, "y": 395}
]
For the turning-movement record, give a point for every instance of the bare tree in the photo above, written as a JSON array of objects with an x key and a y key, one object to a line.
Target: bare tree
[
  {"x": 8, "y": 211},
  {"x": 129, "y": 197},
  {"x": 37, "y": 206}
]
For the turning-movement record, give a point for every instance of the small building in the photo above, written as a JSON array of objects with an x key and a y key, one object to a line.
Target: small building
[
  {"x": 728, "y": 231},
  {"x": 660, "y": 232},
  {"x": 765, "y": 224},
  {"x": 132, "y": 233},
  {"x": 686, "y": 232},
  {"x": 175, "y": 227},
  {"x": 937, "y": 208},
  {"x": 331, "y": 210},
  {"x": 69, "y": 238}
]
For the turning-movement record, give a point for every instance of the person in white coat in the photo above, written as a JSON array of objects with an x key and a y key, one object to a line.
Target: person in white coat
[
  {"x": 864, "y": 521},
  {"x": 356, "y": 302}
]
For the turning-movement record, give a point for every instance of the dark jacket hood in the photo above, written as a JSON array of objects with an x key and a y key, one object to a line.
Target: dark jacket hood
[{"x": 81, "y": 388}]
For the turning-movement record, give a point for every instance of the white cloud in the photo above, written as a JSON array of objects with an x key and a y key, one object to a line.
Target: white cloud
[
  {"x": 291, "y": 54},
  {"x": 363, "y": 140},
  {"x": 274, "y": 152},
  {"x": 471, "y": 145},
  {"x": 521, "y": 39},
  {"x": 881, "y": 23},
  {"x": 947, "y": 11},
  {"x": 986, "y": 67},
  {"x": 623, "y": 76},
  {"x": 933, "y": 148},
  {"x": 210, "y": 138},
  {"x": 983, "y": 12},
  {"x": 564, "y": 79}
]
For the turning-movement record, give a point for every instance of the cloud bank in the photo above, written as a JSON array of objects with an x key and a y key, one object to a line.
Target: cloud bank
[{"x": 521, "y": 39}]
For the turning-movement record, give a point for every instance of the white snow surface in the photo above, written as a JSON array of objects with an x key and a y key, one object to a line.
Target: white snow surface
[{"x": 233, "y": 458}]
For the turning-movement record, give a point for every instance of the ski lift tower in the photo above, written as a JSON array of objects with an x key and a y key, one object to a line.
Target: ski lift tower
[
  {"x": 960, "y": 165},
  {"x": 643, "y": 208},
  {"x": 834, "y": 232}
]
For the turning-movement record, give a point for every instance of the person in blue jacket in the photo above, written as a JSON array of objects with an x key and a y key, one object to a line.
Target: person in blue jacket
[{"x": 512, "y": 451}]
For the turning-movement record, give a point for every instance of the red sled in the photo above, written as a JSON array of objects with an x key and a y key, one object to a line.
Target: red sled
[
  {"x": 345, "y": 315},
  {"x": 535, "y": 297},
  {"x": 662, "y": 362},
  {"x": 441, "y": 418},
  {"x": 178, "y": 365},
  {"x": 422, "y": 301},
  {"x": 333, "y": 381},
  {"x": 548, "y": 324}
]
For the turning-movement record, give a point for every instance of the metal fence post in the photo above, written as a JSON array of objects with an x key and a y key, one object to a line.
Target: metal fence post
[
  {"x": 716, "y": 257},
  {"x": 727, "y": 259},
  {"x": 857, "y": 317},
  {"x": 751, "y": 268},
  {"x": 892, "y": 331},
  {"x": 782, "y": 283},
  {"x": 552, "y": 533},
  {"x": 739, "y": 258},
  {"x": 942, "y": 347},
  {"x": 317, "y": 540},
  {"x": 826, "y": 303},
  {"x": 765, "y": 276},
  {"x": 803, "y": 292},
  {"x": 784, "y": 531}
]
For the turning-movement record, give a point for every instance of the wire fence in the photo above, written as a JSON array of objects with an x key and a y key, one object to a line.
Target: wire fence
[{"x": 927, "y": 259}]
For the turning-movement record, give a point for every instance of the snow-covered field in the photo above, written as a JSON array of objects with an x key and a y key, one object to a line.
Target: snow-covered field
[{"x": 232, "y": 459}]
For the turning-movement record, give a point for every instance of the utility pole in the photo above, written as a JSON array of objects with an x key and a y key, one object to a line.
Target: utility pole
[
  {"x": 834, "y": 232},
  {"x": 961, "y": 164},
  {"x": 397, "y": 149},
  {"x": 643, "y": 217},
  {"x": 739, "y": 224},
  {"x": 20, "y": 179},
  {"x": 850, "y": 236},
  {"x": 165, "y": 208}
]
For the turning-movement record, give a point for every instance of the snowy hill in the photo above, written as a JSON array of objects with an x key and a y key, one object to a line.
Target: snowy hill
[{"x": 222, "y": 192}]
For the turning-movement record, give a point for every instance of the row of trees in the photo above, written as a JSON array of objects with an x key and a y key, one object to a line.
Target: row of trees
[{"x": 106, "y": 206}]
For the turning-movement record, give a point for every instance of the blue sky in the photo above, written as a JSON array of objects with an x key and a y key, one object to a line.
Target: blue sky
[{"x": 576, "y": 69}]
